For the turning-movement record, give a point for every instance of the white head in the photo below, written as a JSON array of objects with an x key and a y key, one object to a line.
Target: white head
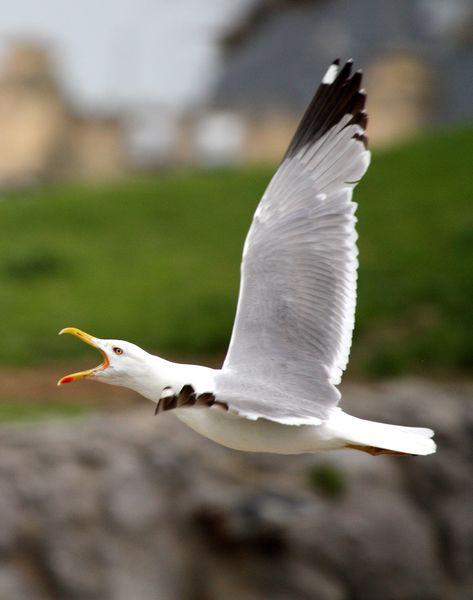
[{"x": 123, "y": 363}]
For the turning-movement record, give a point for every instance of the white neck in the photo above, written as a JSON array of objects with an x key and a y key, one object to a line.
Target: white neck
[
  {"x": 158, "y": 373},
  {"x": 152, "y": 379}
]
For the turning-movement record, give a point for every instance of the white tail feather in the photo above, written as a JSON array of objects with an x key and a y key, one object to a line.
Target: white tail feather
[{"x": 397, "y": 438}]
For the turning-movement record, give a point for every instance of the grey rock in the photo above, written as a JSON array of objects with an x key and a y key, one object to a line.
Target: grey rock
[{"x": 127, "y": 506}]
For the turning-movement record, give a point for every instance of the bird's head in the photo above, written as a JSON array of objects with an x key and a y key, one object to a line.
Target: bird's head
[{"x": 123, "y": 363}]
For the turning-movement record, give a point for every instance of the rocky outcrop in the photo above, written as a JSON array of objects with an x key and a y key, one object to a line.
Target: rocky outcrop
[{"x": 135, "y": 507}]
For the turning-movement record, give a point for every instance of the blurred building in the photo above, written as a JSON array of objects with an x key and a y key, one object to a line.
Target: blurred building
[
  {"x": 43, "y": 138},
  {"x": 417, "y": 57}
]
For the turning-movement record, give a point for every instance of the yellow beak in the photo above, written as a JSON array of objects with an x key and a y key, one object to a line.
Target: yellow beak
[{"x": 92, "y": 341}]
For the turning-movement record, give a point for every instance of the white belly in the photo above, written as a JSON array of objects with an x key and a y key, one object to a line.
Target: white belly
[{"x": 262, "y": 435}]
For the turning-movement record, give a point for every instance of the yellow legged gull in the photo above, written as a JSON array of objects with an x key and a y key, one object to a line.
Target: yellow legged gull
[{"x": 276, "y": 391}]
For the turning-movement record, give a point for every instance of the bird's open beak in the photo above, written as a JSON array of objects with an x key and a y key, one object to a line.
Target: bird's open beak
[{"x": 92, "y": 341}]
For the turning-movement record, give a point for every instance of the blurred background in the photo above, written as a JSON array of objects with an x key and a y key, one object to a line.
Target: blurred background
[{"x": 136, "y": 139}]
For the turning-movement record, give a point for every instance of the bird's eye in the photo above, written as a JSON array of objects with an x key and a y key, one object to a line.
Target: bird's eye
[{"x": 117, "y": 350}]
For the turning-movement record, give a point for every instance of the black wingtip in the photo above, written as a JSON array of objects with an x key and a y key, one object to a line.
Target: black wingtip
[
  {"x": 345, "y": 71},
  {"x": 332, "y": 101},
  {"x": 356, "y": 79},
  {"x": 186, "y": 398}
]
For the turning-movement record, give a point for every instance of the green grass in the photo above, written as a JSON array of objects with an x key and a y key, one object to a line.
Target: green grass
[{"x": 156, "y": 261}]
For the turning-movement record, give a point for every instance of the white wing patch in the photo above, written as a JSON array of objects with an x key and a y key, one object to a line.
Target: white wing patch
[{"x": 330, "y": 74}]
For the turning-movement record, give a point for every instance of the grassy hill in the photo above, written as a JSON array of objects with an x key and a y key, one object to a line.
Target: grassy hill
[{"x": 156, "y": 261}]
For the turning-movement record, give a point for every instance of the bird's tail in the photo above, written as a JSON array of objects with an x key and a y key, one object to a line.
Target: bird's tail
[{"x": 380, "y": 438}]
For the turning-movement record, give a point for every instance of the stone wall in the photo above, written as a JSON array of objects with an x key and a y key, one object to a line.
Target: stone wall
[{"x": 135, "y": 507}]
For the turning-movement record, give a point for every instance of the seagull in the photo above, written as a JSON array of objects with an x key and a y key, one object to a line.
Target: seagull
[{"x": 276, "y": 391}]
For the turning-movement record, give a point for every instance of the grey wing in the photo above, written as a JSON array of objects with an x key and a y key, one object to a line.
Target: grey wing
[{"x": 292, "y": 333}]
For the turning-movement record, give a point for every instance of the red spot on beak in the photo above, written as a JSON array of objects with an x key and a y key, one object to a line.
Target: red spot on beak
[{"x": 66, "y": 380}]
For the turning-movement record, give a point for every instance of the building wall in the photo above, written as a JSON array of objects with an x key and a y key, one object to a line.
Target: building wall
[
  {"x": 41, "y": 137},
  {"x": 269, "y": 136},
  {"x": 95, "y": 149},
  {"x": 399, "y": 97}
]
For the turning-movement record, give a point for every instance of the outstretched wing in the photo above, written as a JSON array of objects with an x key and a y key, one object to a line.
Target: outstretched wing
[{"x": 292, "y": 334}]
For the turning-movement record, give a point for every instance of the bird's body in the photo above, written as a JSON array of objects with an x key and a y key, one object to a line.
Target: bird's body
[
  {"x": 338, "y": 431},
  {"x": 262, "y": 435},
  {"x": 276, "y": 391},
  {"x": 227, "y": 428}
]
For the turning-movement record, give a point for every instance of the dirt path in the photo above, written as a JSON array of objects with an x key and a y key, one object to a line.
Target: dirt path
[{"x": 38, "y": 384}]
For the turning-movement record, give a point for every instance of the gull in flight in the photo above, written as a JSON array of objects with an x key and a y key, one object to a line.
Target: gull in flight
[{"x": 276, "y": 391}]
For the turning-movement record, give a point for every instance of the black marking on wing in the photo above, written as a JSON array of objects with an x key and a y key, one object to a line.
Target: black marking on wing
[
  {"x": 331, "y": 103},
  {"x": 186, "y": 398}
]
